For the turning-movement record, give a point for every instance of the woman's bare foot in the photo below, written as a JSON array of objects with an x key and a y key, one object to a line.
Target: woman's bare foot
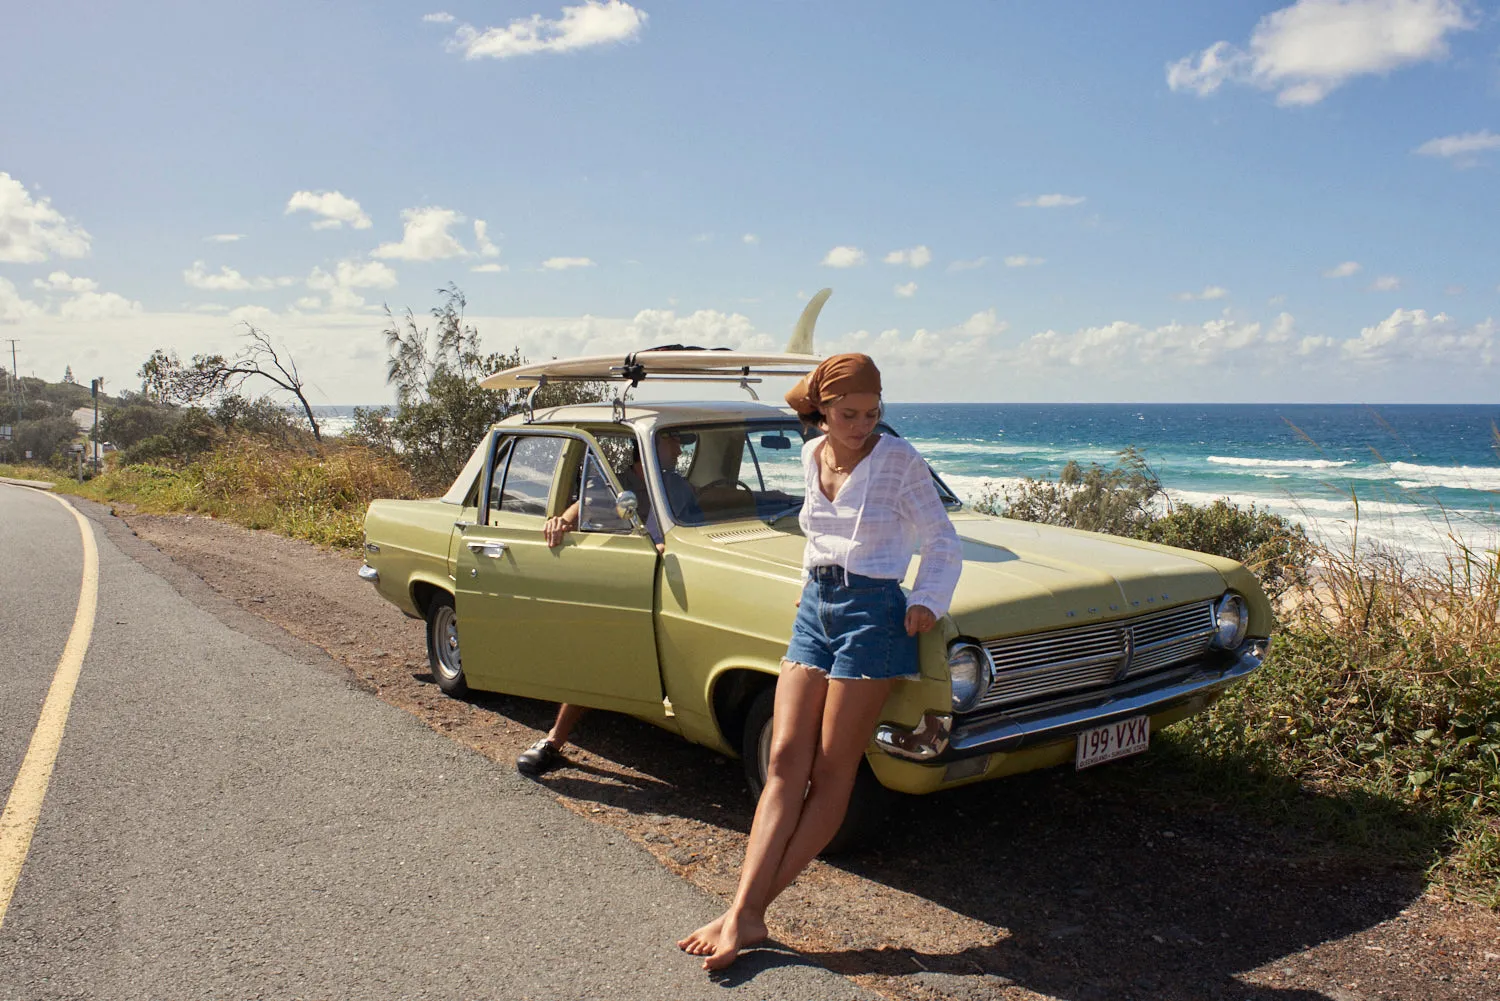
[
  {"x": 738, "y": 931},
  {"x": 702, "y": 941}
]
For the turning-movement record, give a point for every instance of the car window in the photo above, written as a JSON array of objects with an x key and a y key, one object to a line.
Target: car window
[
  {"x": 730, "y": 471},
  {"x": 497, "y": 476},
  {"x": 597, "y": 500},
  {"x": 529, "y": 475}
]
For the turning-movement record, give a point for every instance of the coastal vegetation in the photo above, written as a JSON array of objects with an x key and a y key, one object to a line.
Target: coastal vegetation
[{"x": 1374, "y": 723}]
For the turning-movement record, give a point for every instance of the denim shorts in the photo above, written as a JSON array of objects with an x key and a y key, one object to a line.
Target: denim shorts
[{"x": 855, "y": 629}]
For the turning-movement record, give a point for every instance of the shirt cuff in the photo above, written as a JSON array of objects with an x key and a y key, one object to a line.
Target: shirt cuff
[{"x": 927, "y": 600}]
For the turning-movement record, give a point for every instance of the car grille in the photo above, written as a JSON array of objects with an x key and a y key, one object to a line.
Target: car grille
[{"x": 1030, "y": 667}]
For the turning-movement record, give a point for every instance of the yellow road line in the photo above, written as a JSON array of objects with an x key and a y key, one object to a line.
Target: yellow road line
[{"x": 24, "y": 806}]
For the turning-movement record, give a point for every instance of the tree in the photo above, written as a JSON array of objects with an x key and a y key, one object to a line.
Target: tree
[
  {"x": 68, "y": 376},
  {"x": 166, "y": 379},
  {"x": 441, "y": 410}
]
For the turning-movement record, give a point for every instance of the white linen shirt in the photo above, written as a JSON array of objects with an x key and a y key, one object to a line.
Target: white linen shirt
[{"x": 887, "y": 509}]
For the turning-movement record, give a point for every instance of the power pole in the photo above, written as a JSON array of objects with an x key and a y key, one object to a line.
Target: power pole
[
  {"x": 15, "y": 380},
  {"x": 94, "y": 438}
]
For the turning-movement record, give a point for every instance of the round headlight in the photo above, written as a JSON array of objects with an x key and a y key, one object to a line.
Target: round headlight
[
  {"x": 1231, "y": 621},
  {"x": 969, "y": 670}
]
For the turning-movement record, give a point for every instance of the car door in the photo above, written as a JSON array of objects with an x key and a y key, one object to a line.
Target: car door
[{"x": 570, "y": 623}]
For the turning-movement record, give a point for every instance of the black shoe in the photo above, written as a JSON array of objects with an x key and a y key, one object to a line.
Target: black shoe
[{"x": 539, "y": 758}]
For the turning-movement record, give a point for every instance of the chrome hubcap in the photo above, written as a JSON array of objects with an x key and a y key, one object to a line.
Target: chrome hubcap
[{"x": 446, "y": 629}]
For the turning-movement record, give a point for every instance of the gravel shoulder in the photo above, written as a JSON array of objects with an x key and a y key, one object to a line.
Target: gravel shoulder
[{"x": 1058, "y": 885}]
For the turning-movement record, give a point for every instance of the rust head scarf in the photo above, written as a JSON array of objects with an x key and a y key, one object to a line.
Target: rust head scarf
[{"x": 837, "y": 376}]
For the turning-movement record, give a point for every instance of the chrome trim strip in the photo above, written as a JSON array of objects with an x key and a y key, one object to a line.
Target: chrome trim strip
[
  {"x": 1195, "y": 681},
  {"x": 369, "y": 573}
]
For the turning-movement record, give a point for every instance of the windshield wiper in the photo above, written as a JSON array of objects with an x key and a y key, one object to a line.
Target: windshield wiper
[{"x": 792, "y": 509}]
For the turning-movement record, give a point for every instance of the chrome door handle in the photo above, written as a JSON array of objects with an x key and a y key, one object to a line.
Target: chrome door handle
[{"x": 484, "y": 547}]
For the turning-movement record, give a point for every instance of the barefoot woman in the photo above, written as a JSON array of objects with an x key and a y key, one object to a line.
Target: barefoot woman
[{"x": 870, "y": 502}]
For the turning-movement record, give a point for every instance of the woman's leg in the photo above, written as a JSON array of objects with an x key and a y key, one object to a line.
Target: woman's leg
[
  {"x": 849, "y": 716},
  {"x": 796, "y": 729}
]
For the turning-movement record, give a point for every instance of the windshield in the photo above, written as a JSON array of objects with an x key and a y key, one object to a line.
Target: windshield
[{"x": 723, "y": 472}]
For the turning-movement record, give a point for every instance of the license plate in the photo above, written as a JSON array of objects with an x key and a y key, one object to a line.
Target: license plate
[{"x": 1106, "y": 743}]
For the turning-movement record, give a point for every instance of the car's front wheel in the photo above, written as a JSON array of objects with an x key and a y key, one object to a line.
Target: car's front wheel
[
  {"x": 442, "y": 646},
  {"x": 867, "y": 802}
]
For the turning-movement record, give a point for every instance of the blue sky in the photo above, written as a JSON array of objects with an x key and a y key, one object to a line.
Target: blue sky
[{"x": 1011, "y": 201}]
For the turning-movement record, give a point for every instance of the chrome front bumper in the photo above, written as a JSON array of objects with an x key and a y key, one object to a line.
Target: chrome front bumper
[{"x": 1193, "y": 685}]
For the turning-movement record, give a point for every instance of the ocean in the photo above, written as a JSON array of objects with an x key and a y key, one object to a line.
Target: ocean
[{"x": 1418, "y": 474}]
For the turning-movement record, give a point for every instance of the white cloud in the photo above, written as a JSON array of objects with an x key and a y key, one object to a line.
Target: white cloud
[
  {"x": 1385, "y": 283},
  {"x": 228, "y": 279},
  {"x": 1051, "y": 201},
  {"x": 13, "y": 308},
  {"x": 918, "y": 257},
  {"x": 426, "y": 236},
  {"x": 254, "y": 315},
  {"x": 1023, "y": 261},
  {"x": 844, "y": 257},
  {"x": 972, "y": 264},
  {"x": 31, "y": 230},
  {"x": 706, "y": 327},
  {"x": 564, "y": 263},
  {"x": 751, "y": 239},
  {"x": 1305, "y": 51},
  {"x": 348, "y": 275},
  {"x": 224, "y": 237},
  {"x": 438, "y": 17},
  {"x": 490, "y": 268},
  {"x": 1460, "y": 145},
  {"x": 968, "y": 347},
  {"x": 97, "y": 306},
  {"x": 1282, "y": 330},
  {"x": 61, "y": 281},
  {"x": 335, "y": 208},
  {"x": 1209, "y": 293},
  {"x": 592, "y": 23},
  {"x": 984, "y": 323},
  {"x": 906, "y": 291},
  {"x": 482, "y": 239},
  {"x": 1344, "y": 270},
  {"x": 308, "y": 302},
  {"x": 1411, "y": 335},
  {"x": 1122, "y": 344}
]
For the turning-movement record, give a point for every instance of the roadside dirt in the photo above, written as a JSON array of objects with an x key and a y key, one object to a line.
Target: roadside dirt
[{"x": 1059, "y": 885}]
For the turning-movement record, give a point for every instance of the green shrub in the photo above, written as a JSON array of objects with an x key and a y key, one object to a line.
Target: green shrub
[
  {"x": 1119, "y": 500},
  {"x": 1276, "y": 550}
]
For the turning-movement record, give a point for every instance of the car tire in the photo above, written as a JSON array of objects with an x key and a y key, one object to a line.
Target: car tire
[
  {"x": 868, "y": 801},
  {"x": 442, "y": 646}
]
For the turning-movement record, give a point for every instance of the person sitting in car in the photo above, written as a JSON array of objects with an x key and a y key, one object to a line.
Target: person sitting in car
[{"x": 546, "y": 754}]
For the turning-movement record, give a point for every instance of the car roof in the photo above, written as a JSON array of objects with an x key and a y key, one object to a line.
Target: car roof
[{"x": 654, "y": 414}]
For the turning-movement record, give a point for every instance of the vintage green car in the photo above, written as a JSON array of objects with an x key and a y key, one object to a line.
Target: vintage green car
[{"x": 1060, "y": 647}]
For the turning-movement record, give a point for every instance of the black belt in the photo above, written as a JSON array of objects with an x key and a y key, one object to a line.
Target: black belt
[{"x": 836, "y": 574}]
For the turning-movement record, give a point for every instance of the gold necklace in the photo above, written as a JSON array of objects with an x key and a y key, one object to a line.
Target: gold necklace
[{"x": 828, "y": 454}]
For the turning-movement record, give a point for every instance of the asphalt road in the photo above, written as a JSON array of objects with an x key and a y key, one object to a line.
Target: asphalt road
[{"x": 230, "y": 817}]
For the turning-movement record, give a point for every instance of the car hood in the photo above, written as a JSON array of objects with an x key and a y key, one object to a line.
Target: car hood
[{"x": 1020, "y": 577}]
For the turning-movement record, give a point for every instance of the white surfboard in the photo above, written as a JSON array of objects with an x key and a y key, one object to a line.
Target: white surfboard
[{"x": 645, "y": 365}]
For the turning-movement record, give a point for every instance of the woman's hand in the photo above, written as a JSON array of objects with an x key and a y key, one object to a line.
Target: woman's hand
[
  {"x": 555, "y": 528},
  {"x": 919, "y": 619}
]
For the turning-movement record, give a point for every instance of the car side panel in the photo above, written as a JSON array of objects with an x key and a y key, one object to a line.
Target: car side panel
[{"x": 413, "y": 539}]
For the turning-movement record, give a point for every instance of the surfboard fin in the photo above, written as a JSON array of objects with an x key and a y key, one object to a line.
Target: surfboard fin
[{"x": 802, "y": 334}]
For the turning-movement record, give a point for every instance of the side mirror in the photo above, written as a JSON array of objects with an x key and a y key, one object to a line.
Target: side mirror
[{"x": 626, "y": 506}]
